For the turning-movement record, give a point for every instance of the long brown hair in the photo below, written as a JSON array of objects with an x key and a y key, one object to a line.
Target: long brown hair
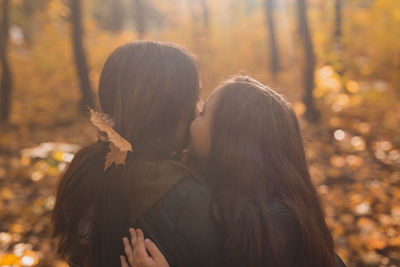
[
  {"x": 150, "y": 89},
  {"x": 257, "y": 155}
]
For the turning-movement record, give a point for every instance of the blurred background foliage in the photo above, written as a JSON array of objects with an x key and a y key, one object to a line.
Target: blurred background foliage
[{"x": 337, "y": 61}]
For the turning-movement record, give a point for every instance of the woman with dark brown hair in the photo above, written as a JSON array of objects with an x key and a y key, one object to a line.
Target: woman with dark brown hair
[
  {"x": 149, "y": 91},
  {"x": 248, "y": 140}
]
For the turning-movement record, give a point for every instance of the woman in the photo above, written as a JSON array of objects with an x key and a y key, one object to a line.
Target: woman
[
  {"x": 248, "y": 139},
  {"x": 150, "y": 90}
]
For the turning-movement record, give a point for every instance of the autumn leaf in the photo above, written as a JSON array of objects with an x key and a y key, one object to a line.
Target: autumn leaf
[
  {"x": 115, "y": 155},
  {"x": 119, "y": 147},
  {"x": 113, "y": 136}
]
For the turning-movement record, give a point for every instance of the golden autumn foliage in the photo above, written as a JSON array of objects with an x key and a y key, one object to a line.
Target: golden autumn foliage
[{"x": 354, "y": 152}]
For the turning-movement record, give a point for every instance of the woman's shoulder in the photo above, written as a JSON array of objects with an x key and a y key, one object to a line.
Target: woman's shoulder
[
  {"x": 182, "y": 179},
  {"x": 189, "y": 193},
  {"x": 275, "y": 206},
  {"x": 160, "y": 169},
  {"x": 199, "y": 238},
  {"x": 183, "y": 185},
  {"x": 182, "y": 223},
  {"x": 283, "y": 220}
]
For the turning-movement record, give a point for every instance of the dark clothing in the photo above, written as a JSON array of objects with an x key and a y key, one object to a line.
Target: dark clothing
[
  {"x": 182, "y": 225},
  {"x": 139, "y": 187},
  {"x": 339, "y": 262}
]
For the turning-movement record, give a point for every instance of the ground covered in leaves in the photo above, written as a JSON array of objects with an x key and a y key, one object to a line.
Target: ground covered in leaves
[{"x": 354, "y": 155}]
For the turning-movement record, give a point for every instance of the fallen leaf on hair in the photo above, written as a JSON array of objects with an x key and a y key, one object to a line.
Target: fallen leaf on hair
[
  {"x": 101, "y": 124},
  {"x": 115, "y": 156}
]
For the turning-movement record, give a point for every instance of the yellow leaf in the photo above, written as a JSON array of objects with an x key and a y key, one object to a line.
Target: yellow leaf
[
  {"x": 113, "y": 136},
  {"x": 9, "y": 259},
  {"x": 352, "y": 86},
  {"x": 58, "y": 155},
  {"x": 115, "y": 155},
  {"x": 119, "y": 147}
]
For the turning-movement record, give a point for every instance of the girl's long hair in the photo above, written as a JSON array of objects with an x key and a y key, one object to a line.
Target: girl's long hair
[
  {"x": 150, "y": 89},
  {"x": 257, "y": 155}
]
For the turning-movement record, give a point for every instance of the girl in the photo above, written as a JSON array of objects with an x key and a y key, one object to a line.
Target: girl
[
  {"x": 248, "y": 139},
  {"x": 149, "y": 90}
]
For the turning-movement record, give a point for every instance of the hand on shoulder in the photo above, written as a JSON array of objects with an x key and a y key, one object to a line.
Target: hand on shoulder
[{"x": 141, "y": 252}]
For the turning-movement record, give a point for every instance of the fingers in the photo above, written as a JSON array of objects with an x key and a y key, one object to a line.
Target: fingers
[
  {"x": 140, "y": 249},
  {"x": 139, "y": 252},
  {"x": 155, "y": 253},
  {"x": 133, "y": 236},
  {"x": 123, "y": 261},
  {"x": 138, "y": 256},
  {"x": 128, "y": 250}
]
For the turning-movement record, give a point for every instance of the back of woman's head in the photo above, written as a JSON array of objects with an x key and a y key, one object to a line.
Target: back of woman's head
[
  {"x": 257, "y": 155},
  {"x": 150, "y": 90}
]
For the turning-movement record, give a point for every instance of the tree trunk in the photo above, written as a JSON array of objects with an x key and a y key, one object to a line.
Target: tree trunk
[
  {"x": 117, "y": 16},
  {"x": 140, "y": 18},
  {"x": 311, "y": 114},
  {"x": 273, "y": 47},
  {"x": 80, "y": 58},
  {"x": 206, "y": 16},
  {"x": 28, "y": 7},
  {"x": 200, "y": 17},
  {"x": 338, "y": 22},
  {"x": 338, "y": 37},
  {"x": 6, "y": 79}
]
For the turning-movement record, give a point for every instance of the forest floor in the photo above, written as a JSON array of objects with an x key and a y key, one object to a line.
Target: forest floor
[{"x": 354, "y": 156}]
